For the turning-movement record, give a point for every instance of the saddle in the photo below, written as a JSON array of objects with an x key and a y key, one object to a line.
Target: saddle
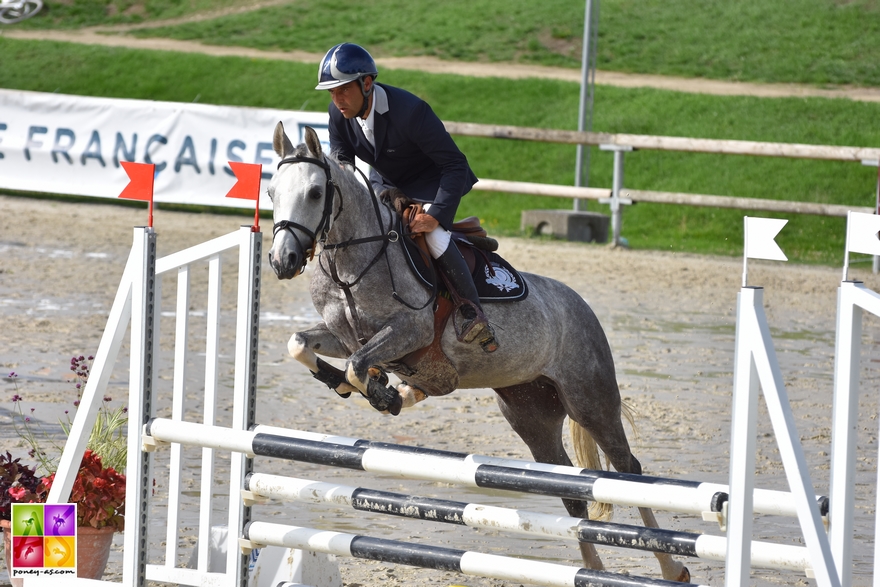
[
  {"x": 468, "y": 228},
  {"x": 496, "y": 280},
  {"x": 494, "y": 277}
]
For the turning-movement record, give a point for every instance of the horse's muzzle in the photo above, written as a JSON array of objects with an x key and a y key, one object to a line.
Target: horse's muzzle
[{"x": 286, "y": 266}]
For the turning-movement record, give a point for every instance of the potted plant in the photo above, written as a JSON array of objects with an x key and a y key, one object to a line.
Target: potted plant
[
  {"x": 17, "y": 483},
  {"x": 99, "y": 486}
]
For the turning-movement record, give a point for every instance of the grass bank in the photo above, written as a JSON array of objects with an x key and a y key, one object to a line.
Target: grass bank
[
  {"x": 74, "y": 69},
  {"x": 806, "y": 41}
]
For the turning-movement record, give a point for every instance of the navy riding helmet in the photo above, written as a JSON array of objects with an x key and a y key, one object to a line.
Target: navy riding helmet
[{"x": 344, "y": 63}]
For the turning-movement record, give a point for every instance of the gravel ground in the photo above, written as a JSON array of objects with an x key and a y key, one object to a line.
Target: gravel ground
[{"x": 670, "y": 319}]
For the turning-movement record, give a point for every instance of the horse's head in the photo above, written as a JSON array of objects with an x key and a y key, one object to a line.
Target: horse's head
[{"x": 302, "y": 194}]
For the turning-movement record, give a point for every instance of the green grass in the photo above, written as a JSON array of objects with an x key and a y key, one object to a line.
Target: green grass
[
  {"x": 808, "y": 41},
  {"x": 72, "y": 14},
  {"x": 75, "y": 69}
]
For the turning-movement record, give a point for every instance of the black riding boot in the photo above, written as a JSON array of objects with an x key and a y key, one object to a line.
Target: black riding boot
[{"x": 474, "y": 325}]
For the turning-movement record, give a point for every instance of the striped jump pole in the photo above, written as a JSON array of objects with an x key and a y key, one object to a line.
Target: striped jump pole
[
  {"x": 691, "y": 497},
  {"x": 260, "y": 534},
  {"x": 764, "y": 554}
]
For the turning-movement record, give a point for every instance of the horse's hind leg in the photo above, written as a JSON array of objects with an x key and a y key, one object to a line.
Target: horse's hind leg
[
  {"x": 601, "y": 419},
  {"x": 535, "y": 413}
]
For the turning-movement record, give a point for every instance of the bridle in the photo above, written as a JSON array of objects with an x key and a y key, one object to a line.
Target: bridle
[{"x": 319, "y": 235}]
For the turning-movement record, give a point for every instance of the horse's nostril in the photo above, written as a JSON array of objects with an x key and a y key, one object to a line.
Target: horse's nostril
[{"x": 293, "y": 260}]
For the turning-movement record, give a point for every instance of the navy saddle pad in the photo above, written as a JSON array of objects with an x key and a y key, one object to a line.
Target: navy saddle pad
[{"x": 496, "y": 279}]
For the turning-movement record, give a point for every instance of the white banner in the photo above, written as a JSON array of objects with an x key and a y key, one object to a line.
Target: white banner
[{"x": 62, "y": 144}]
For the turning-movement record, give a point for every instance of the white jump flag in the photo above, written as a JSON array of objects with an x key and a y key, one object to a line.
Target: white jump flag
[
  {"x": 861, "y": 233},
  {"x": 861, "y": 236},
  {"x": 759, "y": 236}
]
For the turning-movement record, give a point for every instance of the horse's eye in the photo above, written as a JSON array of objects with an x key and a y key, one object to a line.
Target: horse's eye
[{"x": 315, "y": 193}]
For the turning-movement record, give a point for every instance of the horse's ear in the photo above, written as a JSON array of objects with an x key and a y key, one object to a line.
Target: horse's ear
[
  {"x": 280, "y": 142},
  {"x": 312, "y": 142}
]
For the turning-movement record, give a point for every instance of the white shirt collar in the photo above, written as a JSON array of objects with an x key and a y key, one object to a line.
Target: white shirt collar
[{"x": 380, "y": 104}]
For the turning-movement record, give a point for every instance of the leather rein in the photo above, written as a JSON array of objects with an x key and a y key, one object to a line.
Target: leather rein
[{"x": 319, "y": 236}]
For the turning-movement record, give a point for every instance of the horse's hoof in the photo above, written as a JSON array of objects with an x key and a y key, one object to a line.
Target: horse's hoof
[
  {"x": 396, "y": 406},
  {"x": 384, "y": 398},
  {"x": 684, "y": 576}
]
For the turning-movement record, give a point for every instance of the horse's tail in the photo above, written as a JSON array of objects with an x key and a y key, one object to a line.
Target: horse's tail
[{"x": 586, "y": 453}]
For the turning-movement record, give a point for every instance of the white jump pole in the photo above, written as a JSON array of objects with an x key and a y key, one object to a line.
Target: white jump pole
[
  {"x": 693, "y": 497},
  {"x": 469, "y": 470},
  {"x": 764, "y": 554},
  {"x": 259, "y": 534}
]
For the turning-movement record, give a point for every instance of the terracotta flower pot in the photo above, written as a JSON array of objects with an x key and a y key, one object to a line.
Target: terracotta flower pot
[
  {"x": 93, "y": 546},
  {"x": 93, "y": 551}
]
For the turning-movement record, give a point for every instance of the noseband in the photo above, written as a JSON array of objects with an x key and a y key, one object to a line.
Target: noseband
[{"x": 320, "y": 233}]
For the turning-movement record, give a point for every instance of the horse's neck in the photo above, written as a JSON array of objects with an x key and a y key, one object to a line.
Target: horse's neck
[{"x": 358, "y": 218}]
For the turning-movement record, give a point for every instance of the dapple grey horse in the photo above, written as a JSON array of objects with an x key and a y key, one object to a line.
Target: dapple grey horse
[{"x": 554, "y": 360}]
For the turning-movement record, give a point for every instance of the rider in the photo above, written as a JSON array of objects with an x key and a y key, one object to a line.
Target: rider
[{"x": 408, "y": 149}]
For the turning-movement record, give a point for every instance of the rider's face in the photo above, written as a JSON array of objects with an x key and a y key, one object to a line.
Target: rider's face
[{"x": 349, "y": 98}]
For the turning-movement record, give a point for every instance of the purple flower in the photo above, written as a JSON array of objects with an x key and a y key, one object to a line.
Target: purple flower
[
  {"x": 27, "y": 418},
  {"x": 16, "y": 398},
  {"x": 33, "y": 410},
  {"x": 91, "y": 358},
  {"x": 78, "y": 385},
  {"x": 125, "y": 410},
  {"x": 13, "y": 374},
  {"x": 107, "y": 398},
  {"x": 76, "y": 403}
]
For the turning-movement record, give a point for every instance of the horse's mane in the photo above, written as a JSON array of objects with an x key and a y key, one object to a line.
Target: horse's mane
[
  {"x": 348, "y": 175},
  {"x": 344, "y": 173}
]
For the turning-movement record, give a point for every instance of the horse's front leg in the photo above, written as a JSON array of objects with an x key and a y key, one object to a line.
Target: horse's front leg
[
  {"x": 396, "y": 339},
  {"x": 303, "y": 346}
]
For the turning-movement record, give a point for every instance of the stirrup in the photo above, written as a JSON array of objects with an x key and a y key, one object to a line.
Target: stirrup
[
  {"x": 471, "y": 328},
  {"x": 488, "y": 343},
  {"x": 478, "y": 329}
]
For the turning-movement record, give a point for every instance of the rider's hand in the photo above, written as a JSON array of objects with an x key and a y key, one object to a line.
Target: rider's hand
[{"x": 423, "y": 223}]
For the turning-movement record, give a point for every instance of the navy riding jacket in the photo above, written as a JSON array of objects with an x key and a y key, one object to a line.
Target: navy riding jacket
[{"x": 413, "y": 152}]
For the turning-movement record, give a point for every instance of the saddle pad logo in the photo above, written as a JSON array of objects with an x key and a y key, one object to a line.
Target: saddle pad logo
[{"x": 503, "y": 279}]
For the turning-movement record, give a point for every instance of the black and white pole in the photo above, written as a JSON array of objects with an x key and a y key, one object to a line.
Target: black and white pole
[
  {"x": 260, "y": 534},
  {"x": 691, "y": 497},
  {"x": 764, "y": 554}
]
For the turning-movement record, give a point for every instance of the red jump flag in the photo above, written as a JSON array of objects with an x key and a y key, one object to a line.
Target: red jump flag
[
  {"x": 248, "y": 186},
  {"x": 141, "y": 185}
]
